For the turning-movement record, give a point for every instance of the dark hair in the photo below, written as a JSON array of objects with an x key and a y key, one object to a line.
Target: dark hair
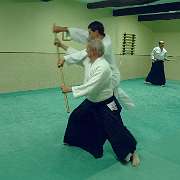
[{"x": 97, "y": 26}]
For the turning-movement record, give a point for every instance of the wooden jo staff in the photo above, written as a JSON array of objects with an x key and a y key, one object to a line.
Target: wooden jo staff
[{"x": 62, "y": 76}]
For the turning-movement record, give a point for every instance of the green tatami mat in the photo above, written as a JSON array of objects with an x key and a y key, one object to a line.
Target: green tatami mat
[{"x": 32, "y": 126}]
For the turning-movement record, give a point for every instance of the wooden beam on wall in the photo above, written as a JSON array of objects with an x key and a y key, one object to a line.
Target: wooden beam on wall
[
  {"x": 117, "y": 3},
  {"x": 163, "y": 16},
  {"x": 175, "y": 6}
]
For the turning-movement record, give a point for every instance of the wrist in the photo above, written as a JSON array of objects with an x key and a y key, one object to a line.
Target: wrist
[
  {"x": 70, "y": 89},
  {"x": 63, "y": 29}
]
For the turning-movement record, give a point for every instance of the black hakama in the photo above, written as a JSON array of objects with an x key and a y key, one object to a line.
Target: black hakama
[
  {"x": 91, "y": 124},
  {"x": 156, "y": 75}
]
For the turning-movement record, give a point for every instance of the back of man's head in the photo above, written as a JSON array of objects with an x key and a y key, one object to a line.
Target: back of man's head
[
  {"x": 96, "y": 45},
  {"x": 97, "y": 26}
]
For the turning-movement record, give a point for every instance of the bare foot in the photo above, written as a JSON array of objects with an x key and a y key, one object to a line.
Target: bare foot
[
  {"x": 135, "y": 161},
  {"x": 146, "y": 82},
  {"x": 66, "y": 144}
]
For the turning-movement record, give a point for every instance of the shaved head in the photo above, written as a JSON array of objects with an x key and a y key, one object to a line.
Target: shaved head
[{"x": 161, "y": 42}]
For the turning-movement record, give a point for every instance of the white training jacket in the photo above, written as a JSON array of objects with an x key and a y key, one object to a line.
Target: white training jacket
[
  {"x": 157, "y": 54},
  {"x": 97, "y": 85},
  {"x": 75, "y": 56}
]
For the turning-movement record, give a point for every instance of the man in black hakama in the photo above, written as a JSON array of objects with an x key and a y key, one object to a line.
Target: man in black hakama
[
  {"x": 156, "y": 75},
  {"x": 97, "y": 118}
]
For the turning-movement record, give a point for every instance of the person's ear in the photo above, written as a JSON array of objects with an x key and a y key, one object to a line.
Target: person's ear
[{"x": 97, "y": 32}]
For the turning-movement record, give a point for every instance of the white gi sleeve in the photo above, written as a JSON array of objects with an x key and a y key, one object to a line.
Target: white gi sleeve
[
  {"x": 94, "y": 83},
  {"x": 165, "y": 56},
  {"x": 79, "y": 35},
  {"x": 71, "y": 50},
  {"x": 76, "y": 56},
  {"x": 152, "y": 55}
]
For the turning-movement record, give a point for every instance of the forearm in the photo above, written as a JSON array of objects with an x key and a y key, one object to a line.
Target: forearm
[
  {"x": 75, "y": 57},
  {"x": 58, "y": 43},
  {"x": 66, "y": 89},
  {"x": 165, "y": 57},
  {"x": 64, "y": 47},
  {"x": 78, "y": 35},
  {"x": 152, "y": 55},
  {"x": 58, "y": 29},
  {"x": 69, "y": 89},
  {"x": 64, "y": 29}
]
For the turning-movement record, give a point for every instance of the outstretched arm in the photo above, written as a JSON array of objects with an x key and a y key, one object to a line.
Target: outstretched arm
[
  {"x": 77, "y": 34},
  {"x": 72, "y": 55},
  {"x": 75, "y": 57},
  {"x": 58, "y": 29},
  {"x": 58, "y": 43}
]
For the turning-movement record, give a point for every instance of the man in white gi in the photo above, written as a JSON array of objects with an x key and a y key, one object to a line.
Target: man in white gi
[
  {"x": 96, "y": 31},
  {"x": 156, "y": 75},
  {"x": 98, "y": 118}
]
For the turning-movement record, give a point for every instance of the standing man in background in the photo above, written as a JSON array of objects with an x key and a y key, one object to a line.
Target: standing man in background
[{"x": 156, "y": 75}]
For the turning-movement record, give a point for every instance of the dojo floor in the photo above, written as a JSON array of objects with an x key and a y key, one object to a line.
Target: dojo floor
[{"x": 32, "y": 125}]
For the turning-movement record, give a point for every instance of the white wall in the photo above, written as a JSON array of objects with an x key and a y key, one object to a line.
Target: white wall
[{"x": 26, "y": 26}]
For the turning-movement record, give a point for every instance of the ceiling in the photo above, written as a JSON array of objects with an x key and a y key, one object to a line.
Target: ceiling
[
  {"x": 157, "y": 2},
  {"x": 156, "y": 10},
  {"x": 152, "y": 23}
]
